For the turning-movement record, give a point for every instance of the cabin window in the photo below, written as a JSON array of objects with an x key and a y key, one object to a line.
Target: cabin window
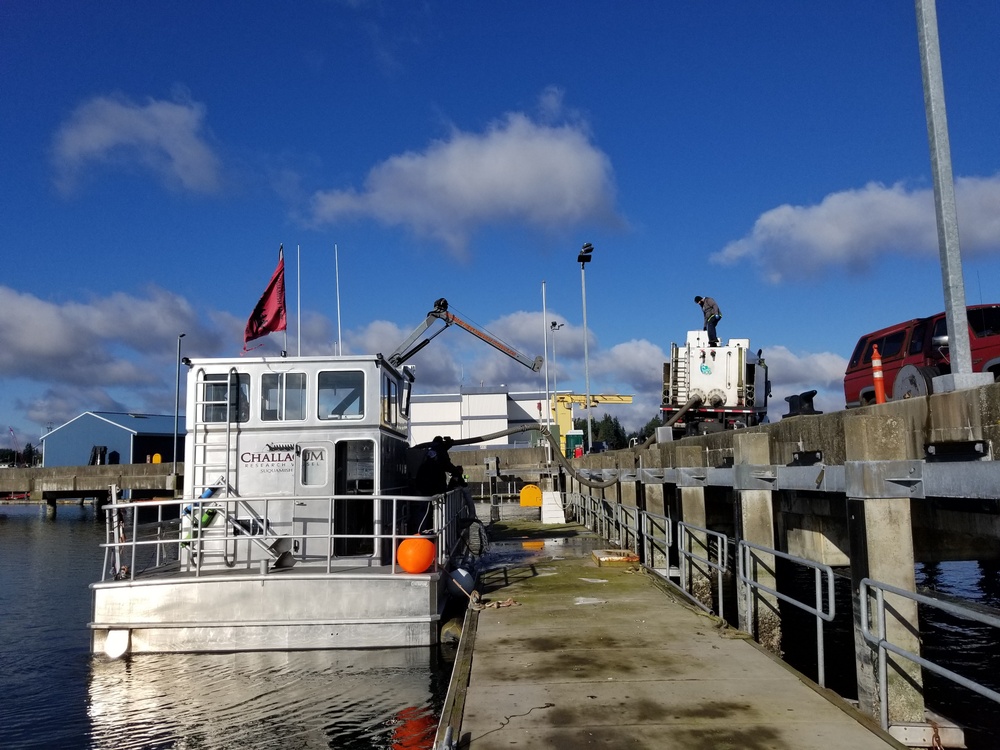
[
  {"x": 404, "y": 403},
  {"x": 282, "y": 396},
  {"x": 390, "y": 407},
  {"x": 314, "y": 462},
  {"x": 226, "y": 397},
  {"x": 341, "y": 394}
]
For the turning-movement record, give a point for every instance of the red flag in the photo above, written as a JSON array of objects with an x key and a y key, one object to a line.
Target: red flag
[{"x": 269, "y": 314}]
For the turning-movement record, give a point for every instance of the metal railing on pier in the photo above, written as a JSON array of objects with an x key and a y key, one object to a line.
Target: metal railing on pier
[
  {"x": 879, "y": 639},
  {"x": 690, "y": 538},
  {"x": 749, "y": 563},
  {"x": 605, "y": 518}
]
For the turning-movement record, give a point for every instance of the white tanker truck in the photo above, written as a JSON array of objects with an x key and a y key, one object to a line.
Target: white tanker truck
[{"x": 712, "y": 388}]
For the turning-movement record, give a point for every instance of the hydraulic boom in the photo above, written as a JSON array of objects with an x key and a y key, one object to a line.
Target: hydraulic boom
[{"x": 440, "y": 312}]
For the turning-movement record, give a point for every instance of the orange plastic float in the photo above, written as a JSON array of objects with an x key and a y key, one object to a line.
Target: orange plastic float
[{"x": 416, "y": 555}]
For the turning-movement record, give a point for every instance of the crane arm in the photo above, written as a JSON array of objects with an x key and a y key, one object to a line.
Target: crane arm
[{"x": 440, "y": 312}]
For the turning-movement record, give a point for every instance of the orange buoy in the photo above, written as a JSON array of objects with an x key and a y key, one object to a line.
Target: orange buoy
[{"x": 416, "y": 555}]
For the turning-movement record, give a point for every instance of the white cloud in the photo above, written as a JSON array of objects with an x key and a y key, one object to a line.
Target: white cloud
[
  {"x": 850, "y": 228},
  {"x": 163, "y": 137},
  {"x": 791, "y": 374},
  {"x": 636, "y": 363},
  {"x": 518, "y": 170},
  {"x": 56, "y": 406},
  {"x": 85, "y": 343}
]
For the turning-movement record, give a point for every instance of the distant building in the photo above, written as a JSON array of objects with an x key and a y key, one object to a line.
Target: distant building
[
  {"x": 113, "y": 438},
  {"x": 477, "y": 411}
]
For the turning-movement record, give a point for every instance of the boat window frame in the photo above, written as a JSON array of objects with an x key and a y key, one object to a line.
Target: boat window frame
[
  {"x": 353, "y": 382},
  {"x": 285, "y": 396},
  {"x": 390, "y": 402},
  {"x": 220, "y": 400}
]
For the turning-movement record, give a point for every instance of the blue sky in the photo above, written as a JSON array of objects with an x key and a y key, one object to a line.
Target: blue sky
[{"x": 154, "y": 155}]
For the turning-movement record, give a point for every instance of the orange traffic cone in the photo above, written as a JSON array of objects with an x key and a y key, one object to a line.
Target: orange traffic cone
[{"x": 877, "y": 375}]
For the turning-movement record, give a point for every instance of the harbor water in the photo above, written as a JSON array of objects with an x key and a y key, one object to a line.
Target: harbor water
[{"x": 55, "y": 694}]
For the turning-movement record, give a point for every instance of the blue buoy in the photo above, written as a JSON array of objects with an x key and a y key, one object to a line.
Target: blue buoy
[{"x": 462, "y": 582}]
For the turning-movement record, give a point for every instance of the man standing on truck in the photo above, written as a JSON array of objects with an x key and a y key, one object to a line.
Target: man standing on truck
[{"x": 712, "y": 317}]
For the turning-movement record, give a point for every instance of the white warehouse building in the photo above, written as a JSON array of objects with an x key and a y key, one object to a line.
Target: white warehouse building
[{"x": 478, "y": 411}]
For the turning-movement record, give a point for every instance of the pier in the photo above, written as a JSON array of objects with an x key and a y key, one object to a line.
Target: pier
[
  {"x": 857, "y": 498},
  {"x": 568, "y": 649},
  {"x": 52, "y": 484}
]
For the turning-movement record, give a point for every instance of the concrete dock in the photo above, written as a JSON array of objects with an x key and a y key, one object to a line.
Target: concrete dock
[{"x": 564, "y": 653}]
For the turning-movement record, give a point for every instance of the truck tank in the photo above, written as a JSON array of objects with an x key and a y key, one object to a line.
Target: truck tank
[{"x": 730, "y": 381}]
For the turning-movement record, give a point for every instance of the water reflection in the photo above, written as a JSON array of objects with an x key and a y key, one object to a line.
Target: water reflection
[{"x": 314, "y": 699}]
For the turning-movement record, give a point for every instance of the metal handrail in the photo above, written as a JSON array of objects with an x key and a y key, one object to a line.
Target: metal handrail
[
  {"x": 642, "y": 526},
  {"x": 123, "y": 541},
  {"x": 651, "y": 543},
  {"x": 744, "y": 559},
  {"x": 720, "y": 565},
  {"x": 585, "y": 508},
  {"x": 881, "y": 642}
]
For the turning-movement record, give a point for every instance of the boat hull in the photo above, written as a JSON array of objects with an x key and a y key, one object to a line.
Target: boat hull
[{"x": 288, "y": 610}]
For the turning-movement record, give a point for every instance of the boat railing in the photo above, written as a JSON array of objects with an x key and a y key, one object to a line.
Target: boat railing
[{"x": 263, "y": 534}]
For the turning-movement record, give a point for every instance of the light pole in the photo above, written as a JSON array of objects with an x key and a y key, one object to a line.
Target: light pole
[
  {"x": 553, "y": 326},
  {"x": 583, "y": 259},
  {"x": 177, "y": 404},
  {"x": 555, "y": 380}
]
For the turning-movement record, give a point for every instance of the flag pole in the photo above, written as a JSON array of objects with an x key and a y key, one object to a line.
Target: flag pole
[
  {"x": 336, "y": 264},
  {"x": 298, "y": 294},
  {"x": 270, "y": 314},
  {"x": 284, "y": 348}
]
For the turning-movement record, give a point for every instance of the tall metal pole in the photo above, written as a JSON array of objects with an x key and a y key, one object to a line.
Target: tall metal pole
[
  {"x": 545, "y": 348},
  {"x": 177, "y": 402},
  {"x": 548, "y": 403},
  {"x": 555, "y": 387},
  {"x": 583, "y": 258},
  {"x": 944, "y": 203},
  {"x": 555, "y": 374},
  {"x": 340, "y": 336},
  {"x": 298, "y": 295}
]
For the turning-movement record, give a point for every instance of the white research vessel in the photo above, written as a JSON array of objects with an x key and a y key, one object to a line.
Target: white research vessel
[{"x": 296, "y": 498}]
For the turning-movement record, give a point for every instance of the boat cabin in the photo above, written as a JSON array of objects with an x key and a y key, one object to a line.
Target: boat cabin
[{"x": 303, "y": 427}]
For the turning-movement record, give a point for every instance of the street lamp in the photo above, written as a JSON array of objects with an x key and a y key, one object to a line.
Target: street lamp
[
  {"x": 583, "y": 259},
  {"x": 553, "y": 326},
  {"x": 177, "y": 404},
  {"x": 555, "y": 380}
]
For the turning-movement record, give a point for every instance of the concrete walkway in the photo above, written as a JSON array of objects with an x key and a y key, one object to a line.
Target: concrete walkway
[{"x": 588, "y": 656}]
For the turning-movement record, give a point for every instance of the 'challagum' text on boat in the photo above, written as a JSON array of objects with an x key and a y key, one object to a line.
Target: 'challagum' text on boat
[{"x": 299, "y": 527}]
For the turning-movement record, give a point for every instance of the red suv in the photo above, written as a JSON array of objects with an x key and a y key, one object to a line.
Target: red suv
[{"x": 916, "y": 351}]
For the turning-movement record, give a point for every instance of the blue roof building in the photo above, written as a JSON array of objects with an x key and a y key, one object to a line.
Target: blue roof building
[{"x": 103, "y": 437}]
